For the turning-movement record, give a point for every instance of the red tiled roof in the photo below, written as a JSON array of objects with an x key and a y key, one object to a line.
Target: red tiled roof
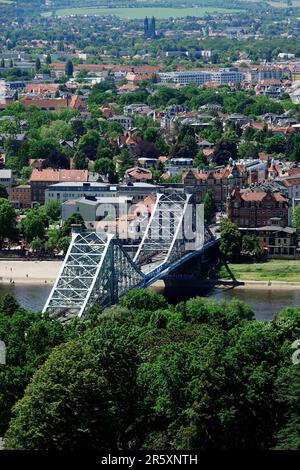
[
  {"x": 138, "y": 173},
  {"x": 57, "y": 176},
  {"x": 46, "y": 103},
  {"x": 291, "y": 182},
  {"x": 40, "y": 88},
  {"x": 252, "y": 196}
]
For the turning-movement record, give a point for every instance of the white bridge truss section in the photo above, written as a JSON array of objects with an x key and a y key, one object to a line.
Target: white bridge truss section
[
  {"x": 163, "y": 240},
  {"x": 96, "y": 269}
]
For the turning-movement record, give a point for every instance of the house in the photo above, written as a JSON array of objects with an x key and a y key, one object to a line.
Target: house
[
  {"x": 219, "y": 182},
  {"x": 276, "y": 240},
  {"x": 93, "y": 208},
  {"x": 138, "y": 175},
  {"x": 54, "y": 104},
  {"x": 255, "y": 207},
  {"x": 7, "y": 178},
  {"x": 125, "y": 121},
  {"x": 41, "y": 179},
  {"x": 20, "y": 196},
  {"x": 42, "y": 89}
]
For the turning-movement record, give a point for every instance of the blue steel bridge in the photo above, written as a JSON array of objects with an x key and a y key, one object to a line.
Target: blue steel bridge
[{"x": 98, "y": 268}]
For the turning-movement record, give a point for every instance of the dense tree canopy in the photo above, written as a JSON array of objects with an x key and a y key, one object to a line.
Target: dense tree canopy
[{"x": 201, "y": 374}]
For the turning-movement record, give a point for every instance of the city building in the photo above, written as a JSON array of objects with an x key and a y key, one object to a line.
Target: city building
[
  {"x": 262, "y": 73},
  {"x": 20, "y": 196},
  {"x": 256, "y": 207},
  {"x": 93, "y": 208},
  {"x": 276, "y": 240},
  {"x": 137, "y": 175},
  {"x": 76, "y": 190},
  {"x": 41, "y": 179},
  {"x": 218, "y": 181},
  {"x": 222, "y": 76},
  {"x": 125, "y": 121},
  {"x": 7, "y": 178}
]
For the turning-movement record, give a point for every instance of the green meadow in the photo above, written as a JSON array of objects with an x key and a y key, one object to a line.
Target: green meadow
[
  {"x": 139, "y": 13},
  {"x": 272, "y": 270}
]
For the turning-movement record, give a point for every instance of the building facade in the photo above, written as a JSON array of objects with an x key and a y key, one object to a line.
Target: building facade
[{"x": 256, "y": 208}]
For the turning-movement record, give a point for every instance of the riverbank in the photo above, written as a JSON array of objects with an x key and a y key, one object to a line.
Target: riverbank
[
  {"x": 45, "y": 272},
  {"x": 273, "y": 270},
  {"x": 29, "y": 272}
]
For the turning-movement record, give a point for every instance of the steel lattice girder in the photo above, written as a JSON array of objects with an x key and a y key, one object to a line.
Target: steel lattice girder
[
  {"x": 164, "y": 232},
  {"x": 96, "y": 268}
]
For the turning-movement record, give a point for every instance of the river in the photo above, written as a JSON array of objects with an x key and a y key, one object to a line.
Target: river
[{"x": 265, "y": 303}]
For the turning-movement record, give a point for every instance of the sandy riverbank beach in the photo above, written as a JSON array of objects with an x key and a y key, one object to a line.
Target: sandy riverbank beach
[
  {"x": 45, "y": 272},
  {"x": 29, "y": 272}
]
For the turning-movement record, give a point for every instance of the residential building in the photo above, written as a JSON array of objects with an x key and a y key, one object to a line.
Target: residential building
[
  {"x": 200, "y": 77},
  {"x": 136, "y": 108},
  {"x": 7, "y": 178},
  {"x": 42, "y": 89},
  {"x": 125, "y": 121},
  {"x": 256, "y": 207},
  {"x": 259, "y": 74},
  {"x": 93, "y": 208},
  {"x": 219, "y": 182},
  {"x": 137, "y": 175},
  {"x": 75, "y": 190},
  {"x": 41, "y": 179},
  {"x": 20, "y": 196},
  {"x": 276, "y": 240},
  {"x": 54, "y": 104}
]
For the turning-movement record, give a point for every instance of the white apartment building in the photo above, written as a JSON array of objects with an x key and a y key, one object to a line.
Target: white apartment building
[
  {"x": 125, "y": 121},
  {"x": 62, "y": 192},
  {"x": 221, "y": 76}
]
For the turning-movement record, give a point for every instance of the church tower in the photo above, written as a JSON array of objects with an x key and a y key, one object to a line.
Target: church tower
[
  {"x": 153, "y": 28},
  {"x": 146, "y": 27}
]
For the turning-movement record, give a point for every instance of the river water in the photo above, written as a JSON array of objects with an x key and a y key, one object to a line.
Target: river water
[{"x": 265, "y": 303}]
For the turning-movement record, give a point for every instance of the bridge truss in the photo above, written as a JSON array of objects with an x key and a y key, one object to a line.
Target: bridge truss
[{"x": 97, "y": 268}]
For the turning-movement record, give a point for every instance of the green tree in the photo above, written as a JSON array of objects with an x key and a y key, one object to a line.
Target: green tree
[
  {"x": 38, "y": 64},
  {"x": 200, "y": 160},
  {"x": 247, "y": 150},
  {"x": 104, "y": 166},
  {"x": 8, "y": 305},
  {"x": 3, "y": 192},
  {"x": 230, "y": 245},
  {"x": 209, "y": 206},
  {"x": 74, "y": 219},
  {"x": 80, "y": 160},
  {"x": 57, "y": 130},
  {"x": 139, "y": 299},
  {"x": 69, "y": 68},
  {"x": 251, "y": 246},
  {"x": 37, "y": 244},
  {"x": 296, "y": 217},
  {"x": 29, "y": 339},
  {"x": 33, "y": 226},
  {"x": 53, "y": 210},
  {"x": 7, "y": 221},
  {"x": 288, "y": 393},
  {"x": 275, "y": 144}
]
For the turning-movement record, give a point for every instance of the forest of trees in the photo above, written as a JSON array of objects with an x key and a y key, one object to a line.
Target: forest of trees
[{"x": 146, "y": 375}]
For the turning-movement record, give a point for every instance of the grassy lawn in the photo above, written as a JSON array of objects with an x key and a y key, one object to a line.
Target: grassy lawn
[
  {"x": 139, "y": 13},
  {"x": 272, "y": 270}
]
